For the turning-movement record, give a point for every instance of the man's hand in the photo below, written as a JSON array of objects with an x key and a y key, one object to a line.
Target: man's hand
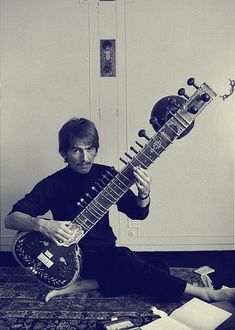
[
  {"x": 142, "y": 181},
  {"x": 61, "y": 232},
  {"x": 58, "y": 231}
]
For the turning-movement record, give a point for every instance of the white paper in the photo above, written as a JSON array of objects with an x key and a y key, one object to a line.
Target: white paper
[
  {"x": 194, "y": 315},
  {"x": 200, "y": 315},
  {"x": 165, "y": 323}
]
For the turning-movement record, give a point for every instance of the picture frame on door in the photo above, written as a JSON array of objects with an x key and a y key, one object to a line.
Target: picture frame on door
[{"x": 107, "y": 58}]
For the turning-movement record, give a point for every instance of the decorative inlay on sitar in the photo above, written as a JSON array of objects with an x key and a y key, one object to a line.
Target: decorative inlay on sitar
[{"x": 56, "y": 266}]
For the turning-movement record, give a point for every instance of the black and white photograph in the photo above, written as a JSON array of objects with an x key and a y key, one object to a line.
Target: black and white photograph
[{"x": 117, "y": 164}]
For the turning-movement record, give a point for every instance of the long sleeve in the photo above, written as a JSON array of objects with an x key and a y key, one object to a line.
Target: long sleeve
[
  {"x": 36, "y": 202},
  {"x": 128, "y": 205}
]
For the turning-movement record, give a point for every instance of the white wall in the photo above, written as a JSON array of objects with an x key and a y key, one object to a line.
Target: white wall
[
  {"x": 193, "y": 183},
  {"x": 50, "y": 73}
]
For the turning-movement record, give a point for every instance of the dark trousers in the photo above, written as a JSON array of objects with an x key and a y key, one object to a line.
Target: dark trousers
[{"x": 119, "y": 270}]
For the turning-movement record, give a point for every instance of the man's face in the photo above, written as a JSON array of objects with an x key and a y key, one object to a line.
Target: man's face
[{"x": 80, "y": 156}]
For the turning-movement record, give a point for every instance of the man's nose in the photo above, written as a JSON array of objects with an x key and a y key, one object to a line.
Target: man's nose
[{"x": 84, "y": 155}]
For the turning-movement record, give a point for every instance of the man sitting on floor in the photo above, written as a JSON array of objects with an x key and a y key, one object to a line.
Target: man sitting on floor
[{"x": 111, "y": 269}]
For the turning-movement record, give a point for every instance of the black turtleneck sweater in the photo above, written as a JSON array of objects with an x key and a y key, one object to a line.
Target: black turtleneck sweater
[{"x": 60, "y": 192}]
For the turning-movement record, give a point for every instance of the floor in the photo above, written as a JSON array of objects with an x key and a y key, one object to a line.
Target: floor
[
  {"x": 223, "y": 262},
  {"x": 23, "y": 308}
]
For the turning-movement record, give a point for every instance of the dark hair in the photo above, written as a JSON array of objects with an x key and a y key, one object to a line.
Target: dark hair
[
  {"x": 107, "y": 43},
  {"x": 81, "y": 128}
]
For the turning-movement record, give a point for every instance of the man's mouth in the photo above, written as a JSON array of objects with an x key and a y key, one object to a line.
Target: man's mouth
[{"x": 84, "y": 164}]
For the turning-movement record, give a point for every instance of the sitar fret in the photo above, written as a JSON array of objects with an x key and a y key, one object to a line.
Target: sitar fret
[
  {"x": 149, "y": 160},
  {"x": 174, "y": 115},
  {"x": 125, "y": 178},
  {"x": 83, "y": 221},
  {"x": 106, "y": 194},
  {"x": 93, "y": 210},
  {"x": 171, "y": 128},
  {"x": 152, "y": 152},
  {"x": 120, "y": 182},
  {"x": 109, "y": 188}
]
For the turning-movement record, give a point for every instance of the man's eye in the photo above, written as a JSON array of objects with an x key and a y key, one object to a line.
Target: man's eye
[{"x": 90, "y": 149}]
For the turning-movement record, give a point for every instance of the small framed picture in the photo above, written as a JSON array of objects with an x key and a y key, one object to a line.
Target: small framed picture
[{"x": 107, "y": 58}]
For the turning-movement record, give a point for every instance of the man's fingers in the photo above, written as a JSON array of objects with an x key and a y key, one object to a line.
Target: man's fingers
[
  {"x": 67, "y": 230},
  {"x": 142, "y": 178},
  {"x": 65, "y": 222},
  {"x": 141, "y": 172},
  {"x": 60, "y": 231},
  {"x": 61, "y": 234}
]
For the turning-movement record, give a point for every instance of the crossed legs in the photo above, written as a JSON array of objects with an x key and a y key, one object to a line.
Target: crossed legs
[
  {"x": 120, "y": 268},
  {"x": 206, "y": 294}
]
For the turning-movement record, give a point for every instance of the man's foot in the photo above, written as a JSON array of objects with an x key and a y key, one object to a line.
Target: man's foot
[
  {"x": 79, "y": 286},
  {"x": 224, "y": 294},
  {"x": 210, "y": 295}
]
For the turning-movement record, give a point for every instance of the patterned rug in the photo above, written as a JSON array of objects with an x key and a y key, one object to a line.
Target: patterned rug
[{"x": 22, "y": 305}]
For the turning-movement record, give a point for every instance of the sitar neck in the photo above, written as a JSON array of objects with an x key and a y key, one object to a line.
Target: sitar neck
[{"x": 173, "y": 128}]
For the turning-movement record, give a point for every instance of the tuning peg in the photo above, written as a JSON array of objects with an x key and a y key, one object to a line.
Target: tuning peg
[
  {"x": 99, "y": 185},
  {"x": 88, "y": 196},
  {"x": 80, "y": 204},
  {"x": 181, "y": 92},
  {"x": 205, "y": 97},
  {"x": 154, "y": 122},
  {"x": 110, "y": 174},
  {"x": 133, "y": 149},
  {"x": 104, "y": 176},
  {"x": 82, "y": 201},
  {"x": 93, "y": 188},
  {"x": 128, "y": 155},
  {"x": 123, "y": 160},
  {"x": 142, "y": 133},
  {"x": 139, "y": 144},
  {"x": 102, "y": 182},
  {"x": 193, "y": 110},
  {"x": 191, "y": 82}
]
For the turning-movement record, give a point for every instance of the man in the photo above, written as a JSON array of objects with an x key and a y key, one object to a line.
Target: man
[{"x": 113, "y": 270}]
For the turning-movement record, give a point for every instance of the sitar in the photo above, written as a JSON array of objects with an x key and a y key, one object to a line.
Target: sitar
[{"x": 57, "y": 266}]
